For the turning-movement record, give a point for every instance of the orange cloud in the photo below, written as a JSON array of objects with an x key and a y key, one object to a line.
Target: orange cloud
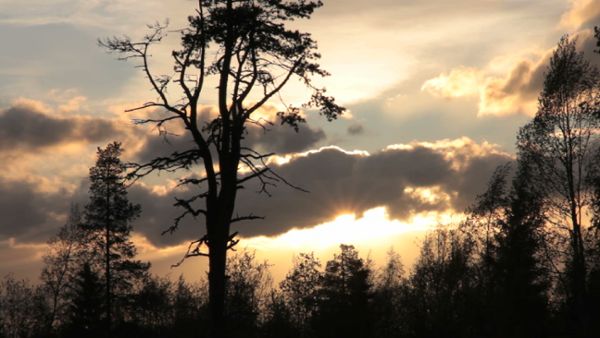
[{"x": 514, "y": 93}]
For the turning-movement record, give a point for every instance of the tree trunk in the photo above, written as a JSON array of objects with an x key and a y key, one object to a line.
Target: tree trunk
[
  {"x": 108, "y": 300},
  {"x": 107, "y": 248},
  {"x": 578, "y": 275},
  {"x": 216, "y": 286}
]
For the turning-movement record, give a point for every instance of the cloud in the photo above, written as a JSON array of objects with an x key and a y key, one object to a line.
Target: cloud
[
  {"x": 582, "y": 13},
  {"x": 283, "y": 139},
  {"x": 341, "y": 181},
  {"x": 514, "y": 93},
  {"x": 29, "y": 213},
  {"x": 459, "y": 82},
  {"x": 517, "y": 92},
  {"x": 27, "y": 127},
  {"x": 406, "y": 179},
  {"x": 21, "y": 259},
  {"x": 355, "y": 129}
]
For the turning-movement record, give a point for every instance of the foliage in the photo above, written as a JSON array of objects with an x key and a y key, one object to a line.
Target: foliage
[
  {"x": 344, "y": 296},
  {"x": 560, "y": 146}
]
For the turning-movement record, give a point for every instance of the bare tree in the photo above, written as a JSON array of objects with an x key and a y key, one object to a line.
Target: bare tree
[
  {"x": 23, "y": 309},
  {"x": 245, "y": 47},
  {"x": 66, "y": 252}
]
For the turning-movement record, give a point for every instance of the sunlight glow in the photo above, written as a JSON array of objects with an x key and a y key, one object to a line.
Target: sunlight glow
[{"x": 375, "y": 224}]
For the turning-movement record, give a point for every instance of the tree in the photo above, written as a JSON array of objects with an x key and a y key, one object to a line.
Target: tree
[
  {"x": 108, "y": 217},
  {"x": 86, "y": 304},
  {"x": 483, "y": 225},
  {"x": 153, "y": 306},
  {"x": 67, "y": 252},
  {"x": 247, "y": 288},
  {"x": 344, "y": 296},
  {"x": 300, "y": 290},
  {"x": 443, "y": 299},
  {"x": 189, "y": 306},
  {"x": 245, "y": 47},
  {"x": 387, "y": 310},
  {"x": 278, "y": 319},
  {"x": 23, "y": 309},
  {"x": 559, "y": 141},
  {"x": 514, "y": 279}
]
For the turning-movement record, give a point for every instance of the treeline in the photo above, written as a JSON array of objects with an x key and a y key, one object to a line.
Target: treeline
[{"x": 457, "y": 288}]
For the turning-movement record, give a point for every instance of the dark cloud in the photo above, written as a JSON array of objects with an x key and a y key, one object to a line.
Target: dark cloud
[
  {"x": 342, "y": 182},
  {"x": 339, "y": 182},
  {"x": 526, "y": 79},
  {"x": 158, "y": 213},
  {"x": 282, "y": 139},
  {"x": 26, "y": 128},
  {"x": 355, "y": 129},
  {"x": 28, "y": 213}
]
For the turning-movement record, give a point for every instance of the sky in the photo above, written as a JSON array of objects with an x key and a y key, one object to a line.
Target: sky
[{"x": 436, "y": 91}]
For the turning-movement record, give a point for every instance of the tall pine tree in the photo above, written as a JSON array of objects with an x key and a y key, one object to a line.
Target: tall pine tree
[{"x": 108, "y": 215}]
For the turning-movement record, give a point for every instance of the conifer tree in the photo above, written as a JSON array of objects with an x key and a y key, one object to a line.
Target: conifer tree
[
  {"x": 345, "y": 295},
  {"x": 108, "y": 216},
  {"x": 86, "y": 304}
]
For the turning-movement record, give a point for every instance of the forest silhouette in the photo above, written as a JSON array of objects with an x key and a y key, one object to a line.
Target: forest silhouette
[{"x": 525, "y": 261}]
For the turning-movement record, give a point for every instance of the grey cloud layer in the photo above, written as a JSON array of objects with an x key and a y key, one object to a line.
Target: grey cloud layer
[
  {"x": 27, "y": 213},
  {"x": 340, "y": 181},
  {"x": 23, "y": 127}
]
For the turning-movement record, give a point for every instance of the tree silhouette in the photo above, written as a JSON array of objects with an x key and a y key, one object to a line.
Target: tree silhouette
[
  {"x": 67, "y": 252},
  {"x": 344, "y": 296},
  {"x": 153, "y": 306},
  {"x": 443, "y": 299},
  {"x": 387, "y": 309},
  {"x": 189, "y": 306},
  {"x": 23, "y": 311},
  {"x": 108, "y": 216},
  {"x": 246, "y": 48},
  {"x": 559, "y": 142},
  {"x": 278, "y": 319},
  {"x": 247, "y": 286},
  {"x": 86, "y": 306},
  {"x": 514, "y": 278},
  {"x": 300, "y": 289}
]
